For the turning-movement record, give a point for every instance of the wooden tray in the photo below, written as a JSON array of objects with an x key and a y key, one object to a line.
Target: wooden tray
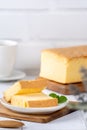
[
  {"x": 62, "y": 88},
  {"x": 4, "y": 112}
]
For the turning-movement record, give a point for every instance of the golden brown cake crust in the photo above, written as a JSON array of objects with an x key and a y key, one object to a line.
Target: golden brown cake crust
[
  {"x": 69, "y": 52},
  {"x": 32, "y": 83}
]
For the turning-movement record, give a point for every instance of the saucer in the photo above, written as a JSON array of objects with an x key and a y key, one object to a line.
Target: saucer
[{"x": 16, "y": 75}]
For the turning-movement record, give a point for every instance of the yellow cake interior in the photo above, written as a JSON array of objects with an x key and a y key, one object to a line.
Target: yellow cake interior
[
  {"x": 63, "y": 64},
  {"x": 29, "y": 94},
  {"x": 25, "y": 87},
  {"x": 33, "y": 100}
]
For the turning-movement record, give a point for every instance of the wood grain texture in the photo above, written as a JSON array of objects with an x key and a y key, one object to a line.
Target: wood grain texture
[
  {"x": 63, "y": 88},
  {"x": 4, "y": 112}
]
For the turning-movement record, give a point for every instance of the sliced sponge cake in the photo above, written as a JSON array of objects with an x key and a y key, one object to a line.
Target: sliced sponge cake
[
  {"x": 25, "y": 87},
  {"x": 33, "y": 100},
  {"x": 63, "y": 64}
]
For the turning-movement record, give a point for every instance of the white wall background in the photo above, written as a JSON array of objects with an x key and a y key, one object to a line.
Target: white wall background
[{"x": 39, "y": 24}]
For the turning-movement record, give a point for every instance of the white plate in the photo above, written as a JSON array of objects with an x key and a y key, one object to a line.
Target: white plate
[
  {"x": 44, "y": 110},
  {"x": 16, "y": 75}
]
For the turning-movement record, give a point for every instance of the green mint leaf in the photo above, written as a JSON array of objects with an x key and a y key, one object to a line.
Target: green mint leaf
[
  {"x": 61, "y": 99},
  {"x": 53, "y": 95}
]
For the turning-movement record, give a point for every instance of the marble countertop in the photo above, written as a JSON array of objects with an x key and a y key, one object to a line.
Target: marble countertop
[{"x": 73, "y": 121}]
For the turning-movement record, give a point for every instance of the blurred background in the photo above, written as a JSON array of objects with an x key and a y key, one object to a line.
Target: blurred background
[{"x": 40, "y": 24}]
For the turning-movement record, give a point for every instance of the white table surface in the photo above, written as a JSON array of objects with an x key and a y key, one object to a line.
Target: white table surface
[{"x": 73, "y": 121}]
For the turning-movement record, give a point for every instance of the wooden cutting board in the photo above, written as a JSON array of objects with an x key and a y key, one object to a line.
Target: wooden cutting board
[
  {"x": 63, "y": 88},
  {"x": 4, "y": 112}
]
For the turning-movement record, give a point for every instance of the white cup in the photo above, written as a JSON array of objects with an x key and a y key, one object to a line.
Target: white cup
[{"x": 7, "y": 57}]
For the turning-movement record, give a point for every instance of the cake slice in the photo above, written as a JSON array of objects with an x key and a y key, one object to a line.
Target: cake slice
[
  {"x": 25, "y": 87},
  {"x": 34, "y": 100},
  {"x": 63, "y": 64}
]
